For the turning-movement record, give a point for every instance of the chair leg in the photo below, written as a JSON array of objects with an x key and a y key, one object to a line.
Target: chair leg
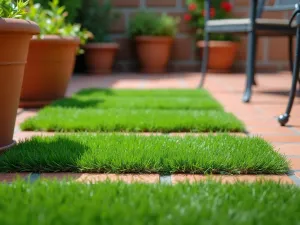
[
  {"x": 204, "y": 59},
  {"x": 284, "y": 118},
  {"x": 250, "y": 66},
  {"x": 254, "y": 83},
  {"x": 291, "y": 54}
]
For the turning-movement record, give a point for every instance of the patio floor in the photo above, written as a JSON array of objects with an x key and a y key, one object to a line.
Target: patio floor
[{"x": 269, "y": 100}]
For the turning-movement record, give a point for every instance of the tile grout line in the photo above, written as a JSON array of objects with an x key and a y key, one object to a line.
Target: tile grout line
[
  {"x": 295, "y": 179},
  {"x": 33, "y": 177},
  {"x": 165, "y": 179}
]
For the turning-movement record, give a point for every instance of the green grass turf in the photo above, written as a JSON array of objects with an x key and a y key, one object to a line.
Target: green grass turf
[
  {"x": 95, "y": 93},
  {"x": 109, "y": 120},
  {"x": 204, "y": 103},
  {"x": 50, "y": 202},
  {"x": 116, "y": 153}
]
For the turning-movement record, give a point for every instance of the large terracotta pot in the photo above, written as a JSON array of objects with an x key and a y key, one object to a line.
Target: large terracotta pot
[
  {"x": 15, "y": 36},
  {"x": 221, "y": 55},
  {"x": 154, "y": 53},
  {"x": 99, "y": 57},
  {"x": 49, "y": 67}
]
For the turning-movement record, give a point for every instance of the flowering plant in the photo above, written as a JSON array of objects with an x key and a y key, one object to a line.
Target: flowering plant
[{"x": 219, "y": 9}]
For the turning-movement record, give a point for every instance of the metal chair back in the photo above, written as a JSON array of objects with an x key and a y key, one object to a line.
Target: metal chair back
[{"x": 280, "y": 5}]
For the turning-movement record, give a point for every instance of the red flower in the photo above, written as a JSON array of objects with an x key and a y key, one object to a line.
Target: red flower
[
  {"x": 192, "y": 6},
  {"x": 187, "y": 17},
  {"x": 226, "y": 6},
  {"x": 212, "y": 12}
]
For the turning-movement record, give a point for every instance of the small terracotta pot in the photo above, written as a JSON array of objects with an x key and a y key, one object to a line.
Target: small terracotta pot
[
  {"x": 15, "y": 36},
  {"x": 99, "y": 57},
  {"x": 49, "y": 67},
  {"x": 154, "y": 53},
  {"x": 221, "y": 55}
]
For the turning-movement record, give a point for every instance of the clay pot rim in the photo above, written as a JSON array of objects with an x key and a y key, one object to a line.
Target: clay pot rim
[
  {"x": 18, "y": 26},
  {"x": 102, "y": 45},
  {"x": 212, "y": 43},
  {"x": 154, "y": 39},
  {"x": 56, "y": 38}
]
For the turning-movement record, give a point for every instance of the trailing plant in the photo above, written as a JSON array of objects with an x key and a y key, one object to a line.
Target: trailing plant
[
  {"x": 12, "y": 9},
  {"x": 71, "y": 6},
  {"x": 98, "y": 19},
  {"x": 150, "y": 24},
  {"x": 220, "y": 9},
  {"x": 52, "y": 21}
]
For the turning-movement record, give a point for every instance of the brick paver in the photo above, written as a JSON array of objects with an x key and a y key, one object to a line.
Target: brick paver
[
  {"x": 92, "y": 178},
  {"x": 179, "y": 178},
  {"x": 269, "y": 100}
]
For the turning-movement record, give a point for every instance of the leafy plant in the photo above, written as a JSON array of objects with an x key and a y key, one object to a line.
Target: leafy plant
[
  {"x": 52, "y": 21},
  {"x": 12, "y": 9},
  {"x": 71, "y": 6},
  {"x": 220, "y": 9},
  {"x": 97, "y": 18},
  {"x": 150, "y": 24}
]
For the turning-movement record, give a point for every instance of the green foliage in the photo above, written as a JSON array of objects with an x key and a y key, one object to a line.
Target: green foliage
[
  {"x": 52, "y": 21},
  {"x": 151, "y": 24},
  {"x": 12, "y": 9},
  {"x": 220, "y": 9},
  {"x": 164, "y": 154},
  {"x": 97, "y": 18},
  {"x": 72, "y": 7}
]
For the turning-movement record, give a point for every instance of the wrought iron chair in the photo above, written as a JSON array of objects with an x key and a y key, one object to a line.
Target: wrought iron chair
[
  {"x": 255, "y": 27},
  {"x": 284, "y": 118}
]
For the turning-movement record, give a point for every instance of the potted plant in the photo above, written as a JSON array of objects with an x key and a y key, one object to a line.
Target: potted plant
[
  {"x": 222, "y": 47},
  {"x": 101, "y": 51},
  {"x": 51, "y": 55},
  {"x": 154, "y": 36},
  {"x": 15, "y": 36},
  {"x": 71, "y": 6}
]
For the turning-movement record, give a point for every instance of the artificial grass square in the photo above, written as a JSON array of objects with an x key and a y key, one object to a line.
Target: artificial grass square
[
  {"x": 126, "y": 120},
  {"x": 158, "y": 110},
  {"x": 104, "y": 102},
  {"x": 107, "y": 92},
  {"x": 116, "y": 153},
  {"x": 50, "y": 202}
]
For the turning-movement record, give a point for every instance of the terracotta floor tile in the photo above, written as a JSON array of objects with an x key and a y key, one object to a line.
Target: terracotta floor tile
[
  {"x": 92, "y": 178},
  {"x": 286, "y": 139},
  {"x": 295, "y": 163},
  {"x": 289, "y": 149},
  {"x": 230, "y": 179},
  {"x": 9, "y": 177}
]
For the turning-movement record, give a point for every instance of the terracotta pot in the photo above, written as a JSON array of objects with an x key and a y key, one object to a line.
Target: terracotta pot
[
  {"x": 15, "y": 36},
  {"x": 154, "y": 53},
  {"x": 99, "y": 57},
  {"x": 221, "y": 55},
  {"x": 49, "y": 67}
]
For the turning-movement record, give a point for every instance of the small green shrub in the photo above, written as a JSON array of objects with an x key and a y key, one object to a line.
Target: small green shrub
[
  {"x": 97, "y": 19},
  {"x": 72, "y": 7},
  {"x": 150, "y": 24},
  {"x": 12, "y": 9},
  {"x": 52, "y": 21}
]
